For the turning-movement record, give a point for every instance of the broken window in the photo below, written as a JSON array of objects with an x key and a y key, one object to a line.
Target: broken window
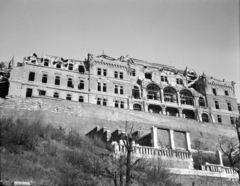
[
  {"x": 214, "y": 91},
  {"x": 58, "y": 65},
  {"x": 69, "y": 97},
  {"x": 99, "y": 87},
  {"x": 232, "y": 120},
  {"x": 205, "y": 118},
  {"x": 116, "y": 89},
  {"x": 115, "y": 74},
  {"x": 70, "y": 83},
  {"x": 44, "y": 78},
  {"x": 104, "y": 87},
  {"x": 122, "y": 104},
  {"x": 57, "y": 80},
  {"x": 135, "y": 92},
  {"x": 116, "y": 103},
  {"x": 46, "y": 62},
  {"x": 81, "y": 85},
  {"x": 56, "y": 95},
  {"x": 216, "y": 105},
  {"x": 229, "y": 106},
  {"x": 226, "y": 93},
  {"x": 104, "y": 102},
  {"x": 121, "y": 75},
  {"x": 170, "y": 94},
  {"x": 104, "y": 72},
  {"x": 148, "y": 75},
  {"x": 99, "y": 71},
  {"x": 153, "y": 92},
  {"x": 137, "y": 107},
  {"x": 42, "y": 92},
  {"x": 133, "y": 72},
  {"x": 70, "y": 67},
  {"x": 201, "y": 102},
  {"x": 179, "y": 81},
  {"x": 81, "y": 69},
  {"x": 219, "y": 119},
  {"x": 31, "y": 76},
  {"x": 29, "y": 92},
  {"x": 121, "y": 90},
  {"x": 186, "y": 97},
  {"x": 99, "y": 101},
  {"x": 81, "y": 99}
]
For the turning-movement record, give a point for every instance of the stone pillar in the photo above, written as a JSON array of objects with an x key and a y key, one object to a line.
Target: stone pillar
[
  {"x": 164, "y": 110},
  {"x": 199, "y": 116},
  {"x": 154, "y": 137},
  {"x": 171, "y": 132},
  {"x": 219, "y": 154},
  {"x": 145, "y": 107},
  {"x": 196, "y": 101},
  {"x": 180, "y": 112},
  {"x": 162, "y": 96},
  {"x": 188, "y": 141},
  {"x": 178, "y": 98}
]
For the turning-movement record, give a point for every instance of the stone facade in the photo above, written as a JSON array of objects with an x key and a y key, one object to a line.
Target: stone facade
[{"x": 127, "y": 83}]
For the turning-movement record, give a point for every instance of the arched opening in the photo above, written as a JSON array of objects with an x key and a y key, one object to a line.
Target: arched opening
[
  {"x": 186, "y": 97},
  {"x": 172, "y": 111},
  {"x": 189, "y": 114},
  {"x": 153, "y": 92},
  {"x": 201, "y": 102},
  {"x": 155, "y": 109},
  {"x": 135, "y": 92},
  {"x": 170, "y": 95},
  {"x": 205, "y": 118},
  {"x": 137, "y": 107}
]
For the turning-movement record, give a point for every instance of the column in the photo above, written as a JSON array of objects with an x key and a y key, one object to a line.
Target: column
[
  {"x": 172, "y": 139},
  {"x": 163, "y": 110},
  {"x": 199, "y": 116},
  {"x": 212, "y": 117},
  {"x": 188, "y": 141},
  {"x": 219, "y": 153},
  {"x": 180, "y": 112},
  {"x": 196, "y": 101},
  {"x": 154, "y": 137},
  {"x": 162, "y": 96},
  {"x": 145, "y": 107},
  {"x": 178, "y": 98}
]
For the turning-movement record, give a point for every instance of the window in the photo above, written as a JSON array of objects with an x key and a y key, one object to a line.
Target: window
[
  {"x": 229, "y": 106},
  {"x": 99, "y": 71},
  {"x": 164, "y": 78},
  {"x": 104, "y": 87},
  {"x": 214, "y": 91},
  {"x": 115, "y": 74},
  {"x": 81, "y": 99},
  {"x": 170, "y": 94},
  {"x": 44, "y": 78},
  {"x": 58, "y": 65},
  {"x": 70, "y": 67},
  {"x": 104, "y": 72},
  {"x": 216, "y": 105},
  {"x": 121, "y": 75},
  {"x": 133, "y": 72},
  {"x": 104, "y": 102},
  {"x": 232, "y": 120},
  {"x": 186, "y": 97},
  {"x": 121, "y": 104},
  {"x": 116, "y": 89},
  {"x": 31, "y": 76},
  {"x": 57, "y": 80},
  {"x": 70, "y": 83},
  {"x": 153, "y": 92},
  {"x": 201, "y": 102},
  {"x": 226, "y": 93},
  {"x": 69, "y": 97},
  {"x": 99, "y": 87},
  {"x": 56, "y": 95},
  {"x": 46, "y": 62},
  {"x": 219, "y": 119},
  {"x": 137, "y": 107},
  {"x": 81, "y": 85},
  {"x": 42, "y": 92},
  {"x": 29, "y": 92},
  {"x": 179, "y": 81},
  {"x": 116, "y": 103},
  {"x": 148, "y": 75},
  {"x": 135, "y": 92},
  {"x": 121, "y": 90},
  {"x": 205, "y": 118},
  {"x": 81, "y": 69},
  {"x": 99, "y": 101}
]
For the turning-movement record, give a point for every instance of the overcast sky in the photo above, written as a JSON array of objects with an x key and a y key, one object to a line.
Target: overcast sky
[{"x": 200, "y": 34}]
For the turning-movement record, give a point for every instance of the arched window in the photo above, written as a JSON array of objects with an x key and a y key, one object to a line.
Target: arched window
[
  {"x": 201, "y": 102},
  {"x": 186, "y": 97},
  {"x": 205, "y": 118},
  {"x": 135, "y": 92},
  {"x": 153, "y": 92},
  {"x": 170, "y": 94},
  {"x": 137, "y": 107}
]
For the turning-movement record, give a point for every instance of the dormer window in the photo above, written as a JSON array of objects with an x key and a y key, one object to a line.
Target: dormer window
[
  {"x": 164, "y": 78},
  {"x": 70, "y": 67},
  {"x": 179, "y": 81},
  {"x": 226, "y": 93},
  {"x": 46, "y": 62},
  {"x": 148, "y": 75},
  {"x": 58, "y": 65},
  {"x": 81, "y": 69}
]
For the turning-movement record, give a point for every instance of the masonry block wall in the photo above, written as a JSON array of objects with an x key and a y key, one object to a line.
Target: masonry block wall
[{"x": 84, "y": 117}]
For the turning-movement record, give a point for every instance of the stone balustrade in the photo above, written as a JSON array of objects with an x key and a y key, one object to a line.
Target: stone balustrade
[
  {"x": 219, "y": 168},
  {"x": 156, "y": 151}
]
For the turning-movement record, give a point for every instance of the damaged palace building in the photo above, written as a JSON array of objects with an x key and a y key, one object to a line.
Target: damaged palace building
[{"x": 126, "y": 83}]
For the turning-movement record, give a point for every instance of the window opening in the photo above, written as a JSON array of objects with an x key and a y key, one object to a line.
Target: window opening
[
  {"x": 232, "y": 120},
  {"x": 81, "y": 69},
  {"x": 116, "y": 89},
  {"x": 104, "y": 102},
  {"x": 58, "y": 65},
  {"x": 121, "y": 90},
  {"x": 104, "y": 72},
  {"x": 31, "y": 76},
  {"x": 99, "y": 86},
  {"x": 133, "y": 72},
  {"x": 115, "y": 74},
  {"x": 219, "y": 119},
  {"x": 214, "y": 91},
  {"x": 42, "y": 92},
  {"x": 81, "y": 85},
  {"x": 170, "y": 94},
  {"x": 153, "y": 92},
  {"x": 229, "y": 106},
  {"x": 46, "y": 62},
  {"x": 70, "y": 67},
  {"x": 29, "y": 92},
  {"x": 186, "y": 97},
  {"x": 201, "y": 102},
  {"x": 121, "y": 75},
  {"x": 104, "y": 87},
  {"x": 69, "y": 97},
  {"x": 99, "y": 71},
  {"x": 98, "y": 101},
  {"x": 70, "y": 83},
  {"x": 121, "y": 104},
  {"x": 44, "y": 78},
  {"x": 205, "y": 118},
  {"x": 81, "y": 99},
  {"x": 57, "y": 80},
  {"x": 216, "y": 105},
  {"x": 135, "y": 92},
  {"x": 116, "y": 103},
  {"x": 226, "y": 93},
  {"x": 137, "y": 107},
  {"x": 148, "y": 75},
  {"x": 56, "y": 95}
]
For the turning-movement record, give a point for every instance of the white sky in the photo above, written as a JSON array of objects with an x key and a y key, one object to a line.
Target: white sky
[{"x": 200, "y": 34}]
